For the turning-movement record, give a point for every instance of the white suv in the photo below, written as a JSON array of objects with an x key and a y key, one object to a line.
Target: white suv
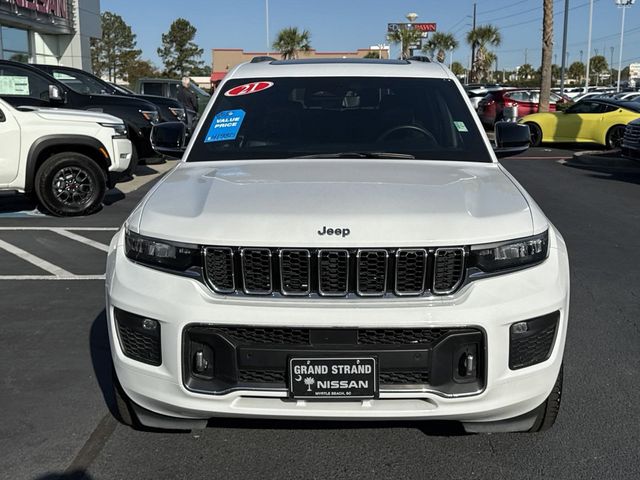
[
  {"x": 339, "y": 242},
  {"x": 67, "y": 158}
]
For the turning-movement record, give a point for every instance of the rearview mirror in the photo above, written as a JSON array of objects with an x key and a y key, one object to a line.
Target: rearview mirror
[
  {"x": 511, "y": 139},
  {"x": 55, "y": 94},
  {"x": 169, "y": 139}
]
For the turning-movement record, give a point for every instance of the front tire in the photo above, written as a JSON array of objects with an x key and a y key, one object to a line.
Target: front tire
[
  {"x": 536, "y": 134},
  {"x": 615, "y": 136},
  {"x": 70, "y": 184},
  {"x": 548, "y": 411}
]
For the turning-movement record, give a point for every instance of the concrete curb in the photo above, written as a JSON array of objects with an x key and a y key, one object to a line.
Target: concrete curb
[{"x": 610, "y": 161}]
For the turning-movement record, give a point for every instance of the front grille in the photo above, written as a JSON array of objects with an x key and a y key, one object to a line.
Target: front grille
[
  {"x": 631, "y": 135},
  {"x": 401, "y": 336},
  {"x": 415, "y": 377},
  {"x": 256, "y": 335},
  {"x": 334, "y": 272}
]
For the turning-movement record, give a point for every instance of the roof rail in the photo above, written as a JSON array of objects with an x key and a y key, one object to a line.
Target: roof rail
[{"x": 262, "y": 58}]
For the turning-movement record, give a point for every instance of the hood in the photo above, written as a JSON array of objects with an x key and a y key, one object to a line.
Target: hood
[
  {"x": 68, "y": 115},
  {"x": 160, "y": 101},
  {"x": 390, "y": 203}
]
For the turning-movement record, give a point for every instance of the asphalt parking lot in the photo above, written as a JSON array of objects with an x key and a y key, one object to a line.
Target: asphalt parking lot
[{"x": 55, "y": 401}]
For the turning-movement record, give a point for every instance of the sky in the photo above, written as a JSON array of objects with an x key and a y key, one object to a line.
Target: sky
[{"x": 346, "y": 25}]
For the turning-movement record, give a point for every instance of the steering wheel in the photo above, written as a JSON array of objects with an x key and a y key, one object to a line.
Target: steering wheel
[{"x": 414, "y": 128}]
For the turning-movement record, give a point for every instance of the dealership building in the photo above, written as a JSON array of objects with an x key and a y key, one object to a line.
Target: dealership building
[{"x": 49, "y": 31}]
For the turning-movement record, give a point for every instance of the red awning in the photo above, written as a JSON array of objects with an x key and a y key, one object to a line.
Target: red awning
[{"x": 217, "y": 76}]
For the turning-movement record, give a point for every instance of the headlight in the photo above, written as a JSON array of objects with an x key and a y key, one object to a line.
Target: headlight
[
  {"x": 151, "y": 116},
  {"x": 120, "y": 129},
  {"x": 511, "y": 255},
  {"x": 162, "y": 254},
  {"x": 179, "y": 113}
]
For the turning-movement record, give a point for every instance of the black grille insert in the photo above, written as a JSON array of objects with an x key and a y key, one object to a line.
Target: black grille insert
[
  {"x": 256, "y": 270},
  {"x": 448, "y": 270},
  {"x": 372, "y": 272},
  {"x": 333, "y": 267},
  {"x": 411, "y": 271},
  {"x": 219, "y": 268},
  {"x": 139, "y": 337},
  {"x": 295, "y": 271}
]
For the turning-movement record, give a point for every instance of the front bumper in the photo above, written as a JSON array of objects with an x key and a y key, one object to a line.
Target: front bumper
[
  {"x": 122, "y": 151},
  {"x": 490, "y": 306}
]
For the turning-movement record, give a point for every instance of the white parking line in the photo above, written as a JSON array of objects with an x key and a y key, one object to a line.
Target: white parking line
[
  {"x": 76, "y": 229},
  {"x": 37, "y": 261},
  {"x": 81, "y": 239}
]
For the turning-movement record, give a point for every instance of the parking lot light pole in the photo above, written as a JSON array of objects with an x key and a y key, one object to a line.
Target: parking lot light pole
[
  {"x": 624, "y": 4},
  {"x": 586, "y": 81}
]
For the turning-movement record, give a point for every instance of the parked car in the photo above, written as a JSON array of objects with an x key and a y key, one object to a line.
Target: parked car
[
  {"x": 631, "y": 140},
  {"x": 83, "y": 82},
  {"x": 476, "y": 94},
  {"x": 25, "y": 85},
  {"x": 167, "y": 87},
  {"x": 597, "y": 120},
  {"x": 344, "y": 231},
  {"x": 491, "y": 107},
  {"x": 67, "y": 158}
]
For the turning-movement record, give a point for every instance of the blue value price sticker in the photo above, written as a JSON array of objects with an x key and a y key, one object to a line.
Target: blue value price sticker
[{"x": 225, "y": 126}]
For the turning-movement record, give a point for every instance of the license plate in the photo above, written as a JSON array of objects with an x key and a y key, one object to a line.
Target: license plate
[{"x": 335, "y": 378}]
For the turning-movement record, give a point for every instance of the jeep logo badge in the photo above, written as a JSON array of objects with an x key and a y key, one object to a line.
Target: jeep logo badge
[{"x": 340, "y": 232}]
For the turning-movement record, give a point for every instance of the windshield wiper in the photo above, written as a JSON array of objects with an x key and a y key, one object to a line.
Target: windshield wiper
[{"x": 360, "y": 155}]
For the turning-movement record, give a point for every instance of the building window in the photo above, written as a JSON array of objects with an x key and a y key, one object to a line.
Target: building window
[{"x": 14, "y": 44}]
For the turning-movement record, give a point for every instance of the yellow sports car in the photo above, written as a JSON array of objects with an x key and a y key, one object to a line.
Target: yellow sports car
[{"x": 596, "y": 120}]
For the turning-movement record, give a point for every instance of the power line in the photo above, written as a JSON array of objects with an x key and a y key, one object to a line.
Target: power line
[{"x": 503, "y": 8}]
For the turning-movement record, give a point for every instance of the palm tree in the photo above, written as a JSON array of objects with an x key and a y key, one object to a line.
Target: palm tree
[
  {"x": 290, "y": 41},
  {"x": 525, "y": 71},
  {"x": 598, "y": 65},
  {"x": 576, "y": 71},
  {"x": 481, "y": 37},
  {"x": 438, "y": 45},
  {"x": 458, "y": 69},
  {"x": 547, "y": 52},
  {"x": 308, "y": 382},
  {"x": 405, "y": 37}
]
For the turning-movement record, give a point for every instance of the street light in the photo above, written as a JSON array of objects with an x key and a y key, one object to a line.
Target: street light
[
  {"x": 586, "y": 82},
  {"x": 623, "y": 4}
]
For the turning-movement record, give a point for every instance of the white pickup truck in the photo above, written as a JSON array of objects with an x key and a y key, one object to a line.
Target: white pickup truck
[{"x": 67, "y": 158}]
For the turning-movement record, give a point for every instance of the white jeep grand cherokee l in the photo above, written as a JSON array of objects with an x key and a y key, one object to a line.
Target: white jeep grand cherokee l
[
  {"x": 339, "y": 242},
  {"x": 68, "y": 158}
]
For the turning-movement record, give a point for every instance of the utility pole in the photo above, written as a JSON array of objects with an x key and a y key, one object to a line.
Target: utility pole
[
  {"x": 473, "y": 45},
  {"x": 586, "y": 84},
  {"x": 565, "y": 54},
  {"x": 525, "y": 56},
  {"x": 611, "y": 64}
]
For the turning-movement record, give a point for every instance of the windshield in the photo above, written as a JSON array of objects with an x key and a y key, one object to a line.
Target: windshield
[
  {"x": 199, "y": 90},
  {"x": 302, "y": 116},
  {"x": 81, "y": 83}
]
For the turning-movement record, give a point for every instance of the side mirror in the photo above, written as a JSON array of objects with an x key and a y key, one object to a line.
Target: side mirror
[
  {"x": 2, "y": 117},
  {"x": 55, "y": 94},
  {"x": 511, "y": 139},
  {"x": 169, "y": 139}
]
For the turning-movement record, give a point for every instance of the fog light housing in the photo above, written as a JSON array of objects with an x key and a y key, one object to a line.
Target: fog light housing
[
  {"x": 531, "y": 341},
  {"x": 139, "y": 337}
]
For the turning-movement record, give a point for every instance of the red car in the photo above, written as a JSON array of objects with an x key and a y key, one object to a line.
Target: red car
[{"x": 491, "y": 107}]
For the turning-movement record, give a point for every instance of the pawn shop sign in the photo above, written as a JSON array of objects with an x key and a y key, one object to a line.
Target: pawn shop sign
[{"x": 421, "y": 27}]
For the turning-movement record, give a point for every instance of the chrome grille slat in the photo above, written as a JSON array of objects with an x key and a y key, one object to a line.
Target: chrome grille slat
[{"x": 334, "y": 272}]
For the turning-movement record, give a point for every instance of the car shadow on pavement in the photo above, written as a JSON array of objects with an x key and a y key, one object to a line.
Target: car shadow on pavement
[
  {"x": 74, "y": 475},
  {"x": 433, "y": 428},
  {"x": 101, "y": 360}
]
